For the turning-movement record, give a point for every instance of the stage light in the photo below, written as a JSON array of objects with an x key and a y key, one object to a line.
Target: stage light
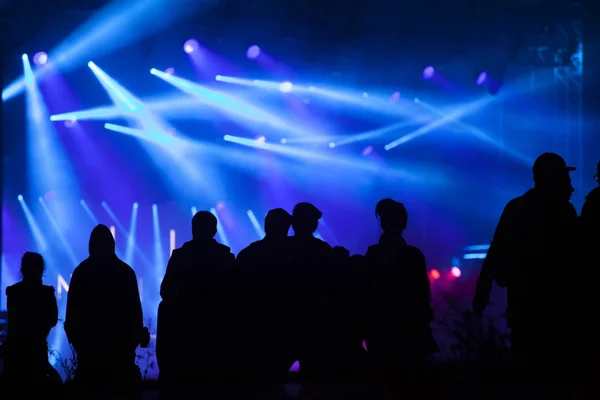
[
  {"x": 435, "y": 274},
  {"x": 481, "y": 78},
  {"x": 190, "y": 46},
  {"x": 253, "y": 52},
  {"x": 70, "y": 123},
  {"x": 261, "y": 139},
  {"x": 220, "y": 205},
  {"x": 395, "y": 97},
  {"x": 456, "y": 272},
  {"x": 20, "y": 197},
  {"x": 365, "y": 94},
  {"x": 367, "y": 151},
  {"x": 331, "y": 145},
  {"x": 286, "y": 87},
  {"x": 170, "y": 71},
  {"x": 283, "y": 141},
  {"x": 40, "y": 58},
  {"x": 135, "y": 205},
  {"x": 428, "y": 72}
]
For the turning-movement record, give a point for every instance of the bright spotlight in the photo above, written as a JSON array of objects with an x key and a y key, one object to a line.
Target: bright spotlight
[
  {"x": 481, "y": 78},
  {"x": 253, "y": 52},
  {"x": 153, "y": 71},
  {"x": 261, "y": 139},
  {"x": 91, "y": 64},
  {"x": 428, "y": 72},
  {"x": 435, "y": 274},
  {"x": 40, "y": 58},
  {"x": 20, "y": 197},
  {"x": 456, "y": 272},
  {"x": 286, "y": 87},
  {"x": 190, "y": 46},
  {"x": 25, "y": 57},
  {"x": 332, "y": 145},
  {"x": 283, "y": 141},
  {"x": 170, "y": 71},
  {"x": 135, "y": 205}
]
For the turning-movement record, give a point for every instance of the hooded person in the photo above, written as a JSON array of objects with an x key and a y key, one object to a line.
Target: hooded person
[{"x": 104, "y": 320}]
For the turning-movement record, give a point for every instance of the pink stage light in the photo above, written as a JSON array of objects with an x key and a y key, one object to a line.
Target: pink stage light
[
  {"x": 253, "y": 52},
  {"x": 40, "y": 58},
  {"x": 428, "y": 72},
  {"x": 456, "y": 272},
  {"x": 190, "y": 46},
  {"x": 434, "y": 274}
]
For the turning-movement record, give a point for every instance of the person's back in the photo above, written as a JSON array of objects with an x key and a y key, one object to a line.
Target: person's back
[
  {"x": 399, "y": 311},
  {"x": 194, "y": 335},
  {"x": 104, "y": 320},
  {"x": 32, "y": 313}
]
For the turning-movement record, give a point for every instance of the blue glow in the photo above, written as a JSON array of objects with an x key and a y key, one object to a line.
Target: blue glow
[
  {"x": 220, "y": 231},
  {"x": 255, "y": 224}
]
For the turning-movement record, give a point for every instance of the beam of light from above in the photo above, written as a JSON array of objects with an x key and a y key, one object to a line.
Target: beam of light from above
[
  {"x": 194, "y": 211},
  {"x": 154, "y": 137},
  {"x": 39, "y": 238},
  {"x": 329, "y": 231},
  {"x": 117, "y": 93},
  {"x": 113, "y": 231},
  {"x": 172, "y": 241},
  {"x": 89, "y": 212},
  {"x": 310, "y": 139},
  {"x": 117, "y": 25},
  {"x": 129, "y": 250},
  {"x": 48, "y": 166},
  {"x": 224, "y": 102},
  {"x": 59, "y": 233},
  {"x": 459, "y": 113},
  {"x": 159, "y": 261},
  {"x": 255, "y": 224},
  {"x": 374, "y": 133},
  {"x": 220, "y": 231}
]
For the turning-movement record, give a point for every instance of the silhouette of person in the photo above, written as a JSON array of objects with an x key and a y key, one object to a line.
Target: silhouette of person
[
  {"x": 263, "y": 267},
  {"x": 530, "y": 255},
  {"x": 32, "y": 313},
  {"x": 341, "y": 253},
  {"x": 104, "y": 321},
  {"x": 399, "y": 315},
  {"x": 195, "y": 335},
  {"x": 313, "y": 267}
]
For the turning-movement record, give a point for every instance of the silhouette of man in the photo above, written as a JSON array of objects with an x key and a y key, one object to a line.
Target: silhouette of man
[
  {"x": 264, "y": 267},
  {"x": 530, "y": 255},
  {"x": 32, "y": 313},
  {"x": 399, "y": 334},
  {"x": 313, "y": 265},
  {"x": 104, "y": 321},
  {"x": 194, "y": 336}
]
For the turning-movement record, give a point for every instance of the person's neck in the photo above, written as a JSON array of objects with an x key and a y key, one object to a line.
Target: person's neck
[{"x": 304, "y": 235}]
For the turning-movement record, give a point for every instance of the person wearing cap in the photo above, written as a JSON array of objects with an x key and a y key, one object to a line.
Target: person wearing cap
[
  {"x": 530, "y": 255},
  {"x": 262, "y": 268}
]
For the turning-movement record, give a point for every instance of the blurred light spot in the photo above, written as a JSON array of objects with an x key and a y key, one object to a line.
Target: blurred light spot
[
  {"x": 286, "y": 87},
  {"x": 261, "y": 139},
  {"x": 171, "y": 132},
  {"x": 395, "y": 97},
  {"x": 70, "y": 123},
  {"x": 40, "y": 58},
  {"x": 332, "y": 145},
  {"x": 135, "y": 205},
  {"x": 253, "y": 52},
  {"x": 367, "y": 151},
  {"x": 435, "y": 274},
  {"x": 170, "y": 71},
  {"x": 283, "y": 141},
  {"x": 220, "y": 205},
  {"x": 481, "y": 78},
  {"x": 456, "y": 272},
  {"x": 190, "y": 46},
  {"x": 428, "y": 72},
  {"x": 20, "y": 197},
  {"x": 365, "y": 94},
  {"x": 417, "y": 100}
]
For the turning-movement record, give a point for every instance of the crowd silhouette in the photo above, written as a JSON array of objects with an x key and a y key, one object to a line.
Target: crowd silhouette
[{"x": 224, "y": 319}]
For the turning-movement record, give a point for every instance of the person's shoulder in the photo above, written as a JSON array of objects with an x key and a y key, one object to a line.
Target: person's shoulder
[
  {"x": 373, "y": 249},
  {"x": 415, "y": 253},
  {"x": 48, "y": 289},
  {"x": 13, "y": 288},
  {"x": 323, "y": 244}
]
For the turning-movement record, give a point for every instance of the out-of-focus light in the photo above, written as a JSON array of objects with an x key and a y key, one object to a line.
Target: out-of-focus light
[
  {"x": 261, "y": 139},
  {"x": 395, "y": 97},
  {"x": 171, "y": 132},
  {"x": 428, "y": 72},
  {"x": 283, "y": 141},
  {"x": 332, "y": 145},
  {"x": 435, "y": 274},
  {"x": 70, "y": 123},
  {"x": 253, "y": 52},
  {"x": 170, "y": 71},
  {"x": 286, "y": 87},
  {"x": 50, "y": 195},
  {"x": 190, "y": 46},
  {"x": 365, "y": 94},
  {"x": 40, "y": 58},
  {"x": 481, "y": 78},
  {"x": 456, "y": 272},
  {"x": 135, "y": 205},
  {"x": 220, "y": 205},
  {"x": 417, "y": 101},
  {"x": 25, "y": 57},
  {"x": 20, "y": 197},
  {"x": 367, "y": 151}
]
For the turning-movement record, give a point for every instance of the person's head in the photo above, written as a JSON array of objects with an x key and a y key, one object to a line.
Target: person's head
[
  {"x": 551, "y": 176},
  {"x": 341, "y": 253},
  {"x": 393, "y": 216},
  {"x": 32, "y": 267},
  {"x": 102, "y": 242},
  {"x": 204, "y": 225},
  {"x": 277, "y": 223},
  {"x": 305, "y": 218}
]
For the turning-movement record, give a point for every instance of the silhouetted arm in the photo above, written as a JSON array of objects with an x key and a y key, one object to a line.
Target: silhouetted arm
[
  {"x": 135, "y": 317},
  {"x": 52, "y": 312},
  {"x": 424, "y": 287},
  {"x": 505, "y": 248},
  {"x": 74, "y": 315},
  {"x": 170, "y": 284}
]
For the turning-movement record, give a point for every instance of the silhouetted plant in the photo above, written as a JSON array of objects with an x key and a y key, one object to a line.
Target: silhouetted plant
[
  {"x": 146, "y": 358},
  {"x": 68, "y": 365}
]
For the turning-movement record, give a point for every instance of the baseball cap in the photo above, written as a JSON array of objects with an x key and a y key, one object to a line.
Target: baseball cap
[
  {"x": 550, "y": 164},
  {"x": 306, "y": 210}
]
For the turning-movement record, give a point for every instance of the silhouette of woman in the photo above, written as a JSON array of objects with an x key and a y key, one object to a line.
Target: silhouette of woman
[
  {"x": 32, "y": 313},
  {"x": 398, "y": 331}
]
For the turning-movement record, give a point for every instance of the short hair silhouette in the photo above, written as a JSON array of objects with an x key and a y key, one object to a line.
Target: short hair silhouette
[
  {"x": 102, "y": 241},
  {"x": 204, "y": 225},
  {"x": 305, "y": 218},
  {"x": 550, "y": 167},
  {"x": 392, "y": 214},
  {"x": 278, "y": 222},
  {"x": 32, "y": 266}
]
